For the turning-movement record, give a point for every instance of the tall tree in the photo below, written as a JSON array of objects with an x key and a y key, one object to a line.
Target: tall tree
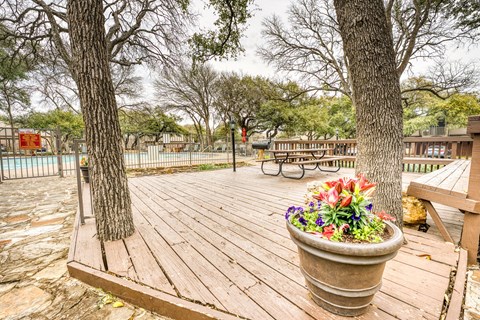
[
  {"x": 85, "y": 43},
  {"x": 310, "y": 46},
  {"x": 14, "y": 91},
  {"x": 368, "y": 45},
  {"x": 111, "y": 196},
  {"x": 239, "y": 98},
  {"x": 190, "y": 90}
]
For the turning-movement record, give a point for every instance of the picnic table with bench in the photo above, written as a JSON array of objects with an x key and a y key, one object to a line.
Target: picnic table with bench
[
  {"x": 456, "y": 185},
  {"x": 301, "y": 158}
]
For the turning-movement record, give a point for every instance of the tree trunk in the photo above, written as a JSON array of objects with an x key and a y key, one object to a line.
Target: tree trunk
[
  {"x": 208, "y": 133},
  {"x": 91, "y": 71},
  {"x": 368, "y": 46}
]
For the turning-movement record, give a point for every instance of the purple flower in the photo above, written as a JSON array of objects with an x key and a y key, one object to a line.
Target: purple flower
[
  {"x": 319, "y": 204},
  {"x": 354, "y": 217},
  {"x": 302, "y": 221},
  {"x": 290, "y": 210},
  {"x": 319, "y": 222},
  {"x": 311, "y": 204},
  {"x": 299, "y": 210},
  {"x": 369, "y": 207}
]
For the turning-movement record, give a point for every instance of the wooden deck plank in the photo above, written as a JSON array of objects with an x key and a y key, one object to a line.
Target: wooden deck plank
[
  {"x": 245, "y": 243},
  {"x": 180, "y": 204},
  {"x": 461, "y": 187},
  {"x": 262, "y": 269},
  {"x": 413, "y": 298},
  {"x": 148, "y": 270},
  {"x": 154, "y": 300},
  {"x": 244, "y": 281},
  {"x": 447, "y": 185},
  {"x": 419, "y": 237},
  {"x": 456, "y": 301},
  {"x": 423, "y": 281},
  {"x": 233, "y": 300},
  {"x": 263, "y": 236},
  {"x": 400, "y": 309},
  {"x": 244, "y": 204},
  {"x": 118, "y": 259},
  {"x": 440, "y": 269},
  {"x": 88, "y": 250},
  {"x": 196, "y": 230},
  {"x": 419, "y": 234},
  {"x": 184, "y": 280},
  {"x": 438, "y": 177}
]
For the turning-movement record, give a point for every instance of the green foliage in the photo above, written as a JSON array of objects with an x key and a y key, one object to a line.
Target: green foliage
[
  {"x": 465, "y": 12},
  {"x": 423, "y": 109},
  {"x": 370, "y": 232},
  {"x": 457, "y": 108},
  {"x": 341, "y": 116},
  {"x": 206, "y": 167},
  {"x": 149, "y": 120},
  {"x": 69, "y": 122},
  {"x": 211, "y": 166},
  {"x": 225, "y": 40},
  {"x": 241, "y": 98}
]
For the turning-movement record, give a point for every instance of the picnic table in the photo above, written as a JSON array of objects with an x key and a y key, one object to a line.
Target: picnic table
[{"x": 301, "y": 158}]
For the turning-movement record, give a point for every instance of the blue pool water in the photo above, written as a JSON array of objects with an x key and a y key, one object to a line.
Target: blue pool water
[
  {"x": 27, "y": 162},
  {"x": 35, "y": 161}
]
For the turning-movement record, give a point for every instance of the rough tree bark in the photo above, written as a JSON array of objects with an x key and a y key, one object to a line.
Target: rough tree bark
[
  {"x": 368, "y": 46},
  {"x": 91, "y": 72}
]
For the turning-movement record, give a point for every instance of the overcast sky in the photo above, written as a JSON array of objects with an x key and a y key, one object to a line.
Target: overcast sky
[{"x": 251, "y": 64}]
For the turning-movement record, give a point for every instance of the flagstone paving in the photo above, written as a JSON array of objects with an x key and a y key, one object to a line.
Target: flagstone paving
[{"x": 36, "y": 218}]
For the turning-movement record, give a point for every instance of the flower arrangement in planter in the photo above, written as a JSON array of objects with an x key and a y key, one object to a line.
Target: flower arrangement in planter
[
  {"x": 343, "y": 245},
  {"x": 341, "y": 210},
  {"x": 84, "y": 169}
]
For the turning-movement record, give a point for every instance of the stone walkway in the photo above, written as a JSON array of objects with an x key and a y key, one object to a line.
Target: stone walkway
[{"x": 36, "y": 218}]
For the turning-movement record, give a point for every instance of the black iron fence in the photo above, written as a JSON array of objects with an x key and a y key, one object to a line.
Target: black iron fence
[
  {"x": 45, "y": 160},
  {"x": 56, "y": 155},
  {"x": 151, "y": 150}
]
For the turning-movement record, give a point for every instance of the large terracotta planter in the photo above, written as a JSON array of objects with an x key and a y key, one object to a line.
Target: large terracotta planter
[
  {"x": 344, "y": 277},
  {"x": 85, "y": 174}
]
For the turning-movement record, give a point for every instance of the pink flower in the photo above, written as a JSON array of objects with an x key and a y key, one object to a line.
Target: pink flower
[
  {"x": 328, "y": 231},
  {"x": 363, "y": 184},
  {"x": 347, "y": 184},
  {"x": 344, "y": 227},
  {"x": 332, "y": 197},
  {"x": 385, "y": 216},
  {"x": 346, "y": 201}
]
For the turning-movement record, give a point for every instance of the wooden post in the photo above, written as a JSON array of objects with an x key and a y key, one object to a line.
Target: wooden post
[
  {"x": 471, "y": 225},
  {"x": 454, "y": 150}
]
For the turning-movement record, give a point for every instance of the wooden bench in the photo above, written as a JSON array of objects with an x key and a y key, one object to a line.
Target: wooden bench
[
  {"x": 322, "y": 160},
  {"x": 456, "y": 185}
]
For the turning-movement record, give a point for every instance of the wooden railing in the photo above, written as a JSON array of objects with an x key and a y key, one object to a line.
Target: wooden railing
[{"x": 420, "y": 154}]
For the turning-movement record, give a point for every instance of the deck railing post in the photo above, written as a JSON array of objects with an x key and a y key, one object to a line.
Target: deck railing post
[
  {"x": 58, "y": 141},
  {"x": 79, "y": 182},
  {"x": 471, "y": 224}
]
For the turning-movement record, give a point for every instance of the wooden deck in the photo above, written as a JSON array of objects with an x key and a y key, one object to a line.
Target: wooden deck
[{"x": 214, "y": 245}]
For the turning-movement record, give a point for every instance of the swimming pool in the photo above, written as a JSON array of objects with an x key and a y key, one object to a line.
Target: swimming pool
[{"x": 131, "y": 159}]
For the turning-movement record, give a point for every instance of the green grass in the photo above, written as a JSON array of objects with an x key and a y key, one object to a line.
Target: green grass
[{"x": 209, "y": 166}]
